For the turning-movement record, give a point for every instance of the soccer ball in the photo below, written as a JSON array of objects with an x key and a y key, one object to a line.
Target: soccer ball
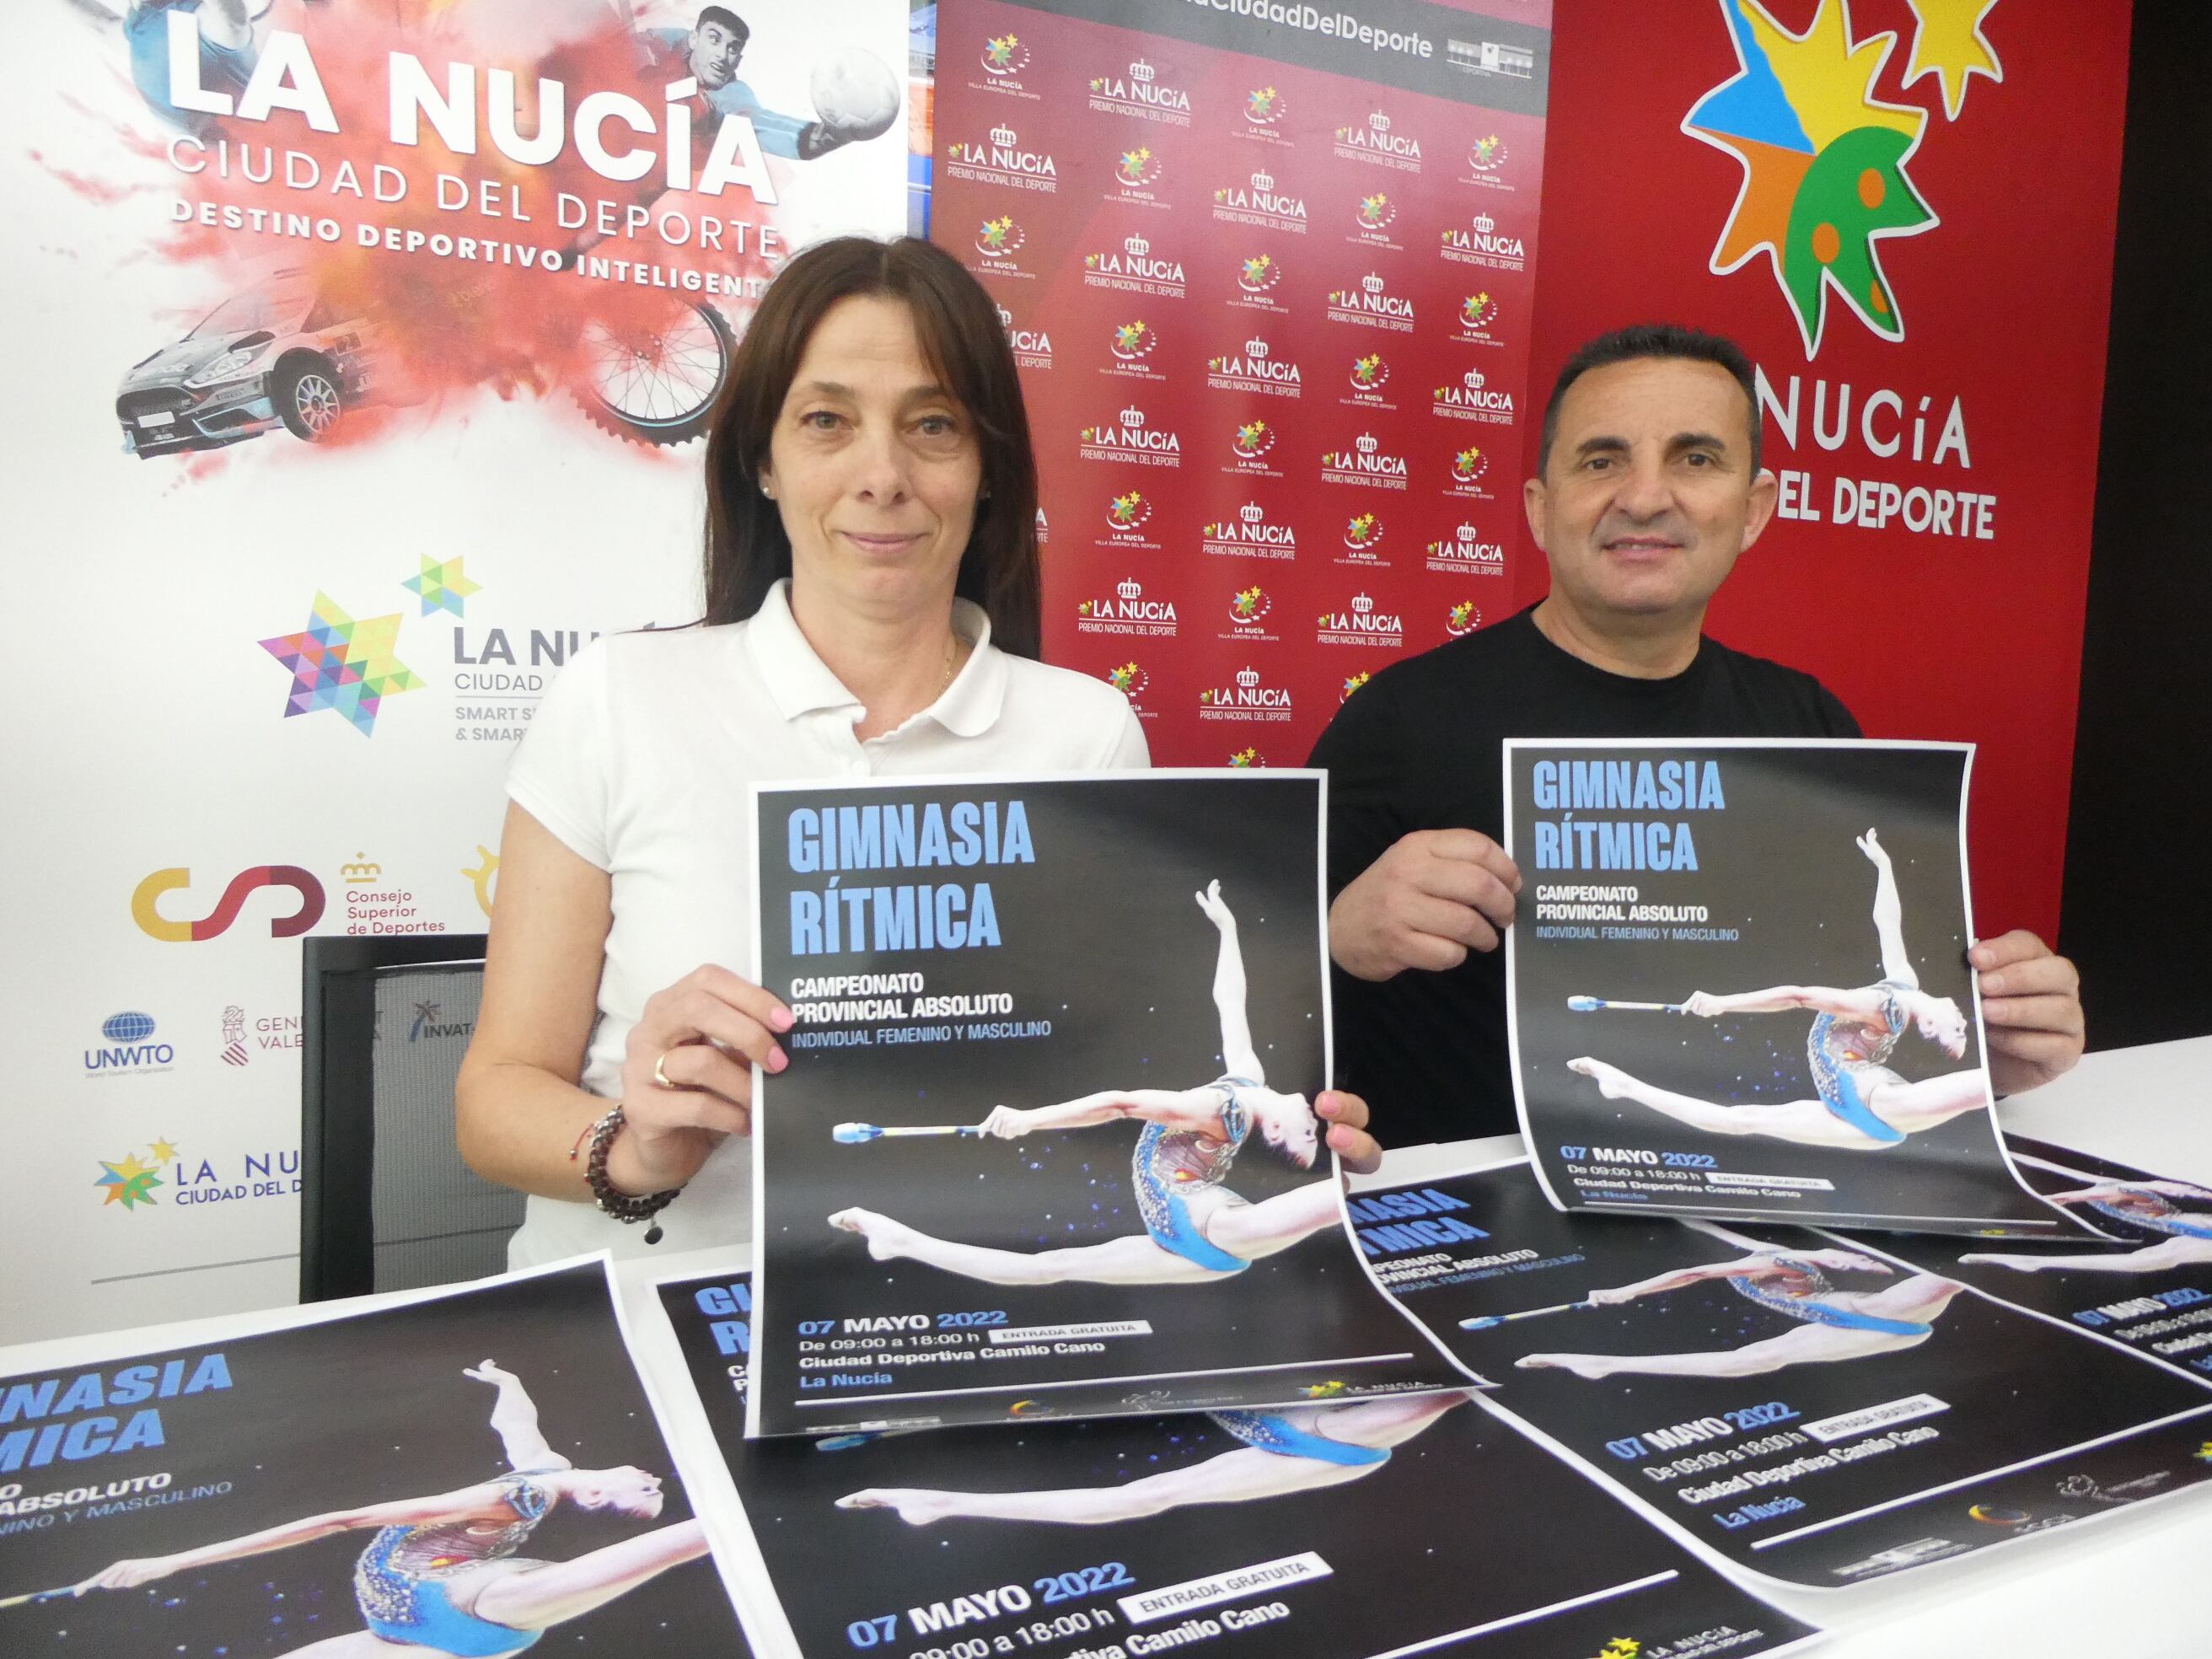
[{"x": 854, "y": 94}]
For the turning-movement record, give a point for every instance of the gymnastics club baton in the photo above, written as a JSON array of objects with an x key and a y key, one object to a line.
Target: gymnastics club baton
[
  {"x": 1591, "y": 1005},
  {"x": 35, "y": 1595},
  {"x": 852, "y": 1134},
  {"x": 1487, "y": 1320}
]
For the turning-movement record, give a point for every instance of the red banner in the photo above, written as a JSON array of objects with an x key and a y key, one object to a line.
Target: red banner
[
  {"x": 1903, "y": 210},
  {"x": 1270, "y": 285}
]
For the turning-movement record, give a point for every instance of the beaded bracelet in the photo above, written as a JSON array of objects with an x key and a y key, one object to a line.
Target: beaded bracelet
[{"x": 623, "y": 1207}]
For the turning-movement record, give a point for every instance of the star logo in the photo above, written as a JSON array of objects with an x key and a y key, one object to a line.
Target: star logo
[
  {"x": 1949, "y": 45},
  {"x": 1823, "y": 163},
  {"x": 130, "y": 1184},
  {"x": 340, "y": 663},
  {"x": 441, "y": 587}
]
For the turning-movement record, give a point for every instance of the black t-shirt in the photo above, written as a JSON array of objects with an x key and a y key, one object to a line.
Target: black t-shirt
[{"x": 1419, "y": 748}]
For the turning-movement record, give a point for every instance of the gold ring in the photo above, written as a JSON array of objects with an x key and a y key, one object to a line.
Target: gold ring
[{"x": 661, "y": 1076}]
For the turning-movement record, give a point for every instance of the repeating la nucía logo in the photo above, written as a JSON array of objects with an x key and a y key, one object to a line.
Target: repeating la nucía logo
[
  {"x": 1250, "y": 698},
  {"x": 1032, "y": 346},
  {"x": 1254, "y": 439},
  {"x": 1365, "y": 462},
  {"x": 1360, "y": 623},
  {"x": 1135, "y": 266},
  {"x": 1473, "y": 399},
  {"x": 1260, "y": 203},
  {"x": 1376, "y": 212},
  {"x": 1468, "y": 465},
  {"x": 1370, "y": 302},
  {"x": 1480, "y": 244},
  {"x": 1128, "y": 512},
  {"x": 1128, "y": 679},
  {"x": 1352, "y": 683},
  {"x": 1138, "y": 168},
  {"x": 998, "y": 240},
  {"x": 1363, "y": 532},
  {"x": 1004, "y": 57},
  {"x": 1249, "y": 606},
  {"x": 1464, "y": 551},
  {"x": 1258, "y": 274},
  {"x": 1140, "y": 91},
  {"x": 1247, "y": 757},
  {"x": 1251, "y": 534},
  {"x": 1126, "y": 611},
  {"x": 1824, "y": 160},
  {"x": 1462, "y": 618},
  {"x": 1004, "y": 159},
  {"x": 1132, "y": 342},
  {"x": 1263, "y": 107},
  {"x": 1486, "y": 156},
  {"x": 1370, "y": 373},
  {"x": 1377, "y": 139},
  {"x": 1130, "y": 438},
  {"x": 145, "y": 901},
  {"x": 1478, "y": 318},
  {"x": 1255, "y": 369}
]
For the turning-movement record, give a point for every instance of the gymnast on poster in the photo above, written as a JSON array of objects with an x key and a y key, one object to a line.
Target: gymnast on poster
[
  {"x": 2150, "y": 1205},
  {"x": 1862, "y": 1104},
  {"x": 1294, "y": 1448},
  {"x": 441, "y": 1576},
  {"x": 1196, "y": 1230}
]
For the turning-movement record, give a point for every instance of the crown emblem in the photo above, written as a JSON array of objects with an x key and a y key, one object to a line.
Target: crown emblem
[
  {"x": 1140, "y": 71},
  {"x": 363, "y": 869},
  {"x": 1467, "y": 532},
  {"x": 1129, "y": 589},
  {"x": 1256, "y": 347},
  {"x": 1003, "y": 136},
  {"x": 1484, "y": 223},
  {"x": 1379, "y": 122},
  {"x": 1364, "y": 443},
  {"x": 1006, "y": 317},
  {"x": 1136, "y": 247},
  {"x": 1472, "y": 379},
  {"x": 1132, "y": 415},
  {"x": 1362, "y": 604},
  {"x": 1248, "y": 678},
  {"x": 1372, "y": 283},
  {"x": 1250, "y": 512},
  {"x": 1263, "y": 181}
]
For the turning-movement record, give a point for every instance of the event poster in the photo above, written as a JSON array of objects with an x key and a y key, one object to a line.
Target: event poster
[
  {"x": 372, "y": 342},
  {"x": 464, "y": 1471},
  {"x": 1270, "y": 274},
  {"x": 2151, "y": 1293},
  {"x": 1803, "y": 1404},
  {"x": 1336, "y": 1530},
  {"x": 1737, "y": 986},
  {"x": 1046, "y": 1144}
]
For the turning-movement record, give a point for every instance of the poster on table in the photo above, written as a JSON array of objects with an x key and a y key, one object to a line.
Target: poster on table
[
  {"x": 1269, "y": 272},
  {"x": 1046, "y": 1143},
  {"x": 1335, "y": 1530},
  {"x": 1802, "y": 1403},
  {"x": 2151, "y": 1292},
  {"x": 1737, "y": 986},
  {"x": 468, "y": 1472},
  {"x": 372, "y": 341}
]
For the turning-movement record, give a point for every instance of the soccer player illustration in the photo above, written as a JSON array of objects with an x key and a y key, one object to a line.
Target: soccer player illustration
[
  {"x": 1295, "y": 1449},
  {"x": 855, "y": 96},
  {"x": 441, "y": 1575},
  {"x": 1832, "y": 1324},
  {"x": 1195, "y": 1228},
  {"x": 1862, "y": 1104},
  {"x": 2145, "y": 1204}
]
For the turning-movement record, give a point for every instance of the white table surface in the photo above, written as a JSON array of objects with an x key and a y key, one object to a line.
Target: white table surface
[{"x": 2136, "y": 1582}]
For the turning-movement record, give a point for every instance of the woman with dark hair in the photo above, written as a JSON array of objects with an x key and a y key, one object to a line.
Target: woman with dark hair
[{"x": 872, "y": 610}]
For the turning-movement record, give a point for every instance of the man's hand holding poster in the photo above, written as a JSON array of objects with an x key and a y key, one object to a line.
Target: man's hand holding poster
[
  {"x": 1739, "y": 986},
  {"x": 462, "y": 1474},
  {"x": 1047, "y": 1142},
  {"x": 1810, "y": 1407},
  {"x": 1337, "y": 1530}
]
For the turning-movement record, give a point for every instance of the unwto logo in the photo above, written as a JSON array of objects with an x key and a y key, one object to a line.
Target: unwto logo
[
  {"x": 1824, "y": 160},
  {"x": 127, "y": 1047}
]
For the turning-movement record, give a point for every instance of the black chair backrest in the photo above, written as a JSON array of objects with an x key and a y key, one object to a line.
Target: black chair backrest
[{"x": 386, "y": 1202}]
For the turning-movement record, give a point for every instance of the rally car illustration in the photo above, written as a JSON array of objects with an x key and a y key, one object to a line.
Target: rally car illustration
[{"x": 282, "y": 354}]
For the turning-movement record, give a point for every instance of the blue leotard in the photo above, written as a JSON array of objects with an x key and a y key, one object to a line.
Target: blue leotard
[
  {"x": 1272, "y": 1433},
  {"x": 1803, "y": 1304},
  {"x": 400, "y": 1582},
  {"x": 1846, "y": 1053},
  {"x": 2162, "y": 1217},
  {"x": 1169, "y": 1165}
]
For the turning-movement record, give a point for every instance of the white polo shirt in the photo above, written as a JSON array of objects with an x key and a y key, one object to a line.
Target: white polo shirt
[{"x": 639, "y": 760}]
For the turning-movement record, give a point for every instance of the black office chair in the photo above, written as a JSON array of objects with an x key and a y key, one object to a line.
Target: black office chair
[{"x": 386, "y": 1203}]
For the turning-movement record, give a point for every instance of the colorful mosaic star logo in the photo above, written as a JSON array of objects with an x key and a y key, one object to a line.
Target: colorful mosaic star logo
[
  {"x": 1823, "y": 162},
  {"x": 441, "y": 587},
  {"x": 340, "y": 663},
  {"x": 130, "y": 1184}
]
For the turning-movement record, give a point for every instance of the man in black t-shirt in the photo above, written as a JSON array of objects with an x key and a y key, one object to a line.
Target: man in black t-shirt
[{"x": 1648, "y": 487}]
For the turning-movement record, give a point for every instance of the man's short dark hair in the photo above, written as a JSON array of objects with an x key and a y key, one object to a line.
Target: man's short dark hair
[
  {"x": 728, "y": 19},
  {"x": 1650, "y": 340}
]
